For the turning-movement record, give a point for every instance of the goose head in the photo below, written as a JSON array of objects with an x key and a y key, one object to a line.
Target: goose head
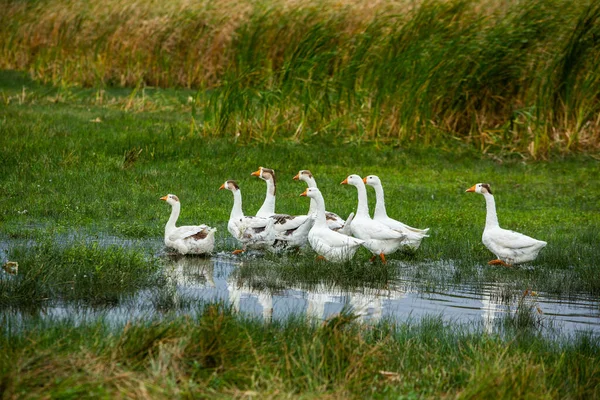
[
  {"x": 304, "y": 175},
  {"x": 264, "y": 173},
  {"x": 353, "y": 180},
  {"x": 372, "y": 180},
  {"x": 230, "y": 185},
  {"x": 267, "y": 175},
  {"x": 171, "y": 199},
  {"x": 482, "y": 188},
  {"x": 311, "y": 192}
]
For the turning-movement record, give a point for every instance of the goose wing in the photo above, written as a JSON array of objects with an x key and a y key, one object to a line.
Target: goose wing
[
  {"x": 336, "y": 239},
  {"x": 255, "y": 226},
  {"x": 334, "y": 221},
  {"x": 255, "y": 222},
  {"x": 400, "y": 226},
  {"x": 346, "y": 229},
  {"x": 285, "y": 222},
  {"x": 184, "y": 232},
  {"x": 512, "y": 240},
  {"x": 378, "y": 231}
]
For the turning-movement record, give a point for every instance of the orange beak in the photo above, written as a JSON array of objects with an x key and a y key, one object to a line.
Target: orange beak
[
  {"x": 222, "y": 187},
  {"x": 257, "y": 172},
  {"x": 303, "y": 193},
  {"x": 365, "y": 179},
  {"x": 471, "y": 189},
  {"x": 296, "y": 177},
  {"x": 344, "y": 182},
  {"x": 164, "y": 198}
]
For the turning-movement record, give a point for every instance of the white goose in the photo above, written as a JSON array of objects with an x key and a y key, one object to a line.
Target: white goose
[
  {"x": 252, "y": 232},
  {"x": 187, "y": 239},
  {"x": 331, "y": 245},
  {"x": 413, "y": 235},
  {"x": 510, "y": 247},
  {"x": 290, "y": 230},
  {"x": 379, "y": 238},
  {"x": 334, "y": 221}
]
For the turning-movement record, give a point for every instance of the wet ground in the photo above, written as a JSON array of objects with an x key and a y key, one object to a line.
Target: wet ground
[{"x": 193, "y": 281}]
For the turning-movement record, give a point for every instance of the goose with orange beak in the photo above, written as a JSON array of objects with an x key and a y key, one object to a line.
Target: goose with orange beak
[
  {"x": 251, "y": 232},
  {"x": 379, "y": 238},
  {"x": 509, "y": 247},
  {"x": 334, "y": 221},
  {"x": 413, "y": 235},
  {"x": 329, "y": 244},
  {"x": 291, "y": 231},
  {"x": 187, "y": 239}
]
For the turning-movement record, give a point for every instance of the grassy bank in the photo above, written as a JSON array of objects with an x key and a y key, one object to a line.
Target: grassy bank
[
  {"x": 514, "y": 76},
  {"x": 222, "y": 355}
]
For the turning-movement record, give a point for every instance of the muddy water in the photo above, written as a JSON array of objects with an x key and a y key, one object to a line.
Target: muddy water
[{"x": 194, "y": 281}]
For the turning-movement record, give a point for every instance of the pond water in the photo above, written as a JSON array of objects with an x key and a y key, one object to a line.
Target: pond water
[{"x": 192, "y": 281}]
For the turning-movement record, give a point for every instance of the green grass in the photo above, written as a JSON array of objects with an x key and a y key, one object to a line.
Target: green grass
[
  {"x": 512, "y": 76},
  {"x": 220, "y": 354},
  {"x": 64, "y": 173},
  {"x": 84, "y": 273}
]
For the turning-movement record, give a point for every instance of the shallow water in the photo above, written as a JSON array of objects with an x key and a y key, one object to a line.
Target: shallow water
[
  {"x": 193, "y": 281},
  {"x": 401, "y": 300}
]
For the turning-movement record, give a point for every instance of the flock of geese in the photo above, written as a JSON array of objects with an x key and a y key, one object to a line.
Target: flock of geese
[{"x": 331, "y": 237}]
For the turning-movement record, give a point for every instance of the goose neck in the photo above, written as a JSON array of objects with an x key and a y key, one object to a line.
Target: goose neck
[
  {"x": 175, "y": 209},
  {"x": 310, "y": 182},
  {"x": 491, "y": 218},
  {"x": 380, "y": 202},
  {"x": 363, "y": 205},
  {"x": 236, "y": 210},
  {"x": 312, "y": 209},
  {"x": 268, "y": 207},
  {"x": 319, "y": 202}
]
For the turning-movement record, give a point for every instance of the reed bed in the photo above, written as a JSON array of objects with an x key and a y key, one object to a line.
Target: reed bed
[{"x": 513, "y": 76}]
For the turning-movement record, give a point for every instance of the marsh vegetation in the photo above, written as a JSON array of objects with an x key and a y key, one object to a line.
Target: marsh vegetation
[{"x": 512, "y": 76}]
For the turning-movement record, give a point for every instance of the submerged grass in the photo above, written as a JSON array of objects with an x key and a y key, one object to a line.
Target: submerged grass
[
  {"x": 84, "y": 273},
  {"x": 220, "y": 354},
  {"x": 303, "y": 271},
  {"x": 513, "y": 76}
]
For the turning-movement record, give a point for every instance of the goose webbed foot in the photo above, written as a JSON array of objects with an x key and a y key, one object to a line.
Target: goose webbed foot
[
  {"x": 381, "y": 255},
  {"x": 499, "y": 262}
]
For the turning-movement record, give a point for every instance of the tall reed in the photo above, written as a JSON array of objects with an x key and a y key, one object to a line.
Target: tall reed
[{"x": 508, "y": 76}]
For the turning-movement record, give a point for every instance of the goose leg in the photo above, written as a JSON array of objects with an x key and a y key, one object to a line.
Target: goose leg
[
  {"x": 499, "y": 262},
  {"x": 372, "y": 258},
  {"x": 238, "y": 251},
  {"x": 320, "y": 258},
  {"x": 382, "y": 256}
]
